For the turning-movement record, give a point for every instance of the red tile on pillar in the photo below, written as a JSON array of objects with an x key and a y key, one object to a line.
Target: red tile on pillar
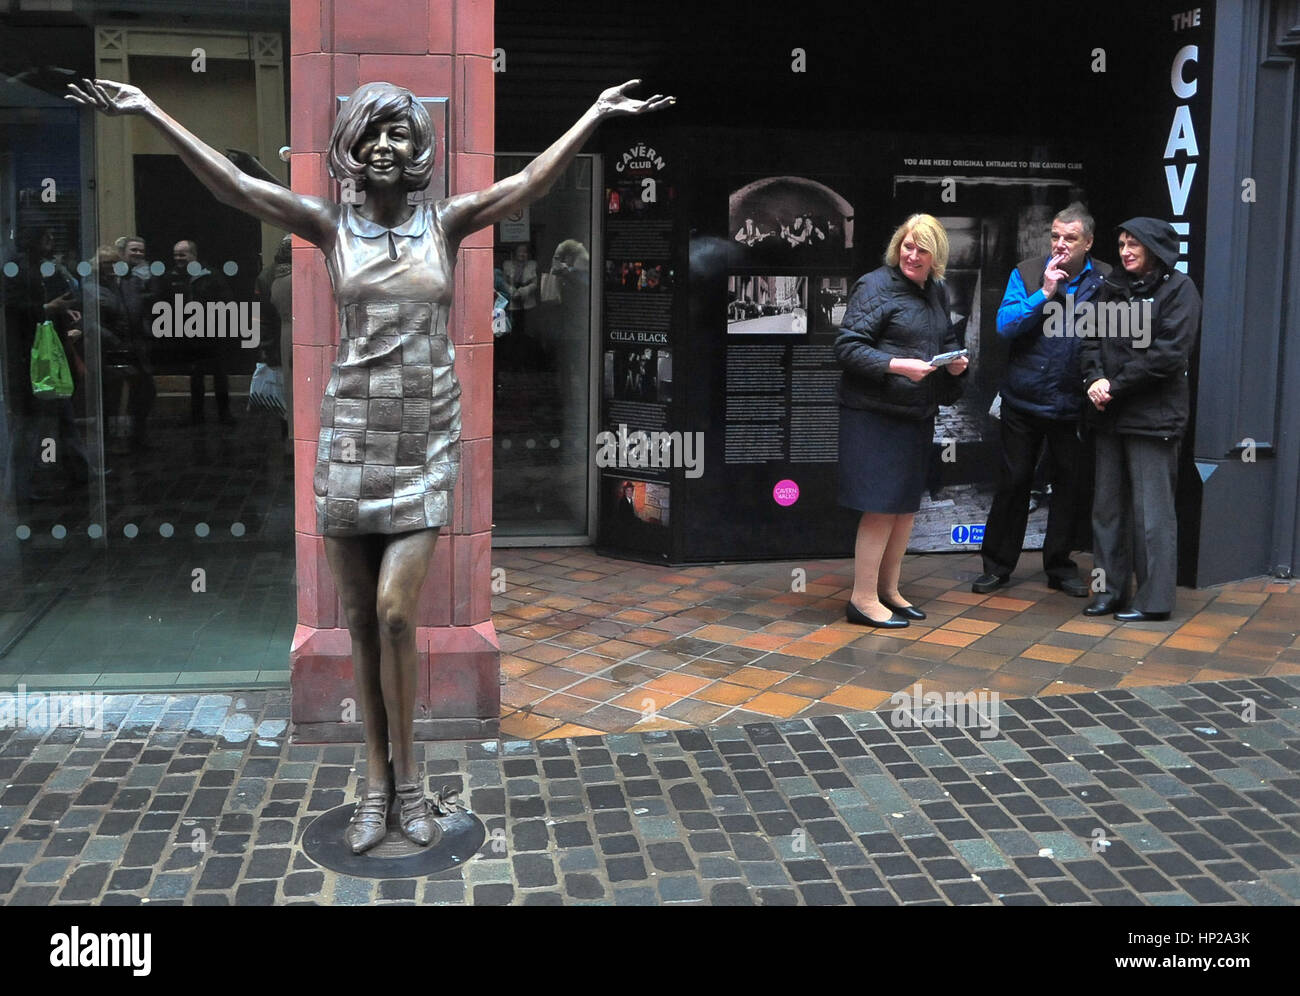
[
  {"x": 475, "y": 513},
  {"x": 464, "y": 671},
  {"x": 304, "y": 499},
  {"x": 317, "y": 83},
  {"x": 317, "y": 596},
  {"x": 425, "y": 75},
  {"x": 309, "y": 175},
  {"x": 312, "y": 76},
  {"x": 472, "y": 579},
  {"x": 475, "y": 24},
  {"x": 436, "y": 595},
  {"x": 471, "y": 324},
  {"x": 480, "y": 582},
  {"x": 321, "y": 675},
  {"x": 347, "y": 77},
  {"x": 474, "y": 368},
  {"x": 397, "y": 26},
  {"x": 441, "y": 38},
  {"x": 470, "y": 172},
  {"x": 311, "y": 365},
  {"x": 306, "y": 27},
  {"x": 314, "y": 314},
  {"x": 477, "y": 118}
]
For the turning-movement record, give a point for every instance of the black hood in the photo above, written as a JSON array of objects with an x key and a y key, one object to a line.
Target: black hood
[{"x": 1158, "y": 236}]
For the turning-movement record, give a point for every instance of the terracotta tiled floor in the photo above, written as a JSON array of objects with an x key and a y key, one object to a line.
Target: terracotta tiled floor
[{"x": 596, "y": 645}]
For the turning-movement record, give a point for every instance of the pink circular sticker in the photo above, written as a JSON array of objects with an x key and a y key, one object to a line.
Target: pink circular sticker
[{"x": 786, "y": 492}]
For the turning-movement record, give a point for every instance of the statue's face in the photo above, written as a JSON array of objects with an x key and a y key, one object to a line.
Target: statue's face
[{"x": 385, "y": 149}]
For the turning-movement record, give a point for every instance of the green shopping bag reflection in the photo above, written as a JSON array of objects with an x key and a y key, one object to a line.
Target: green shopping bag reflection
[{"x": 51, "y": 375}]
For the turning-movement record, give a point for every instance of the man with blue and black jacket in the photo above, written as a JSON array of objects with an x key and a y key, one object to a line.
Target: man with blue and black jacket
[{"x": 1041, "y": 400}]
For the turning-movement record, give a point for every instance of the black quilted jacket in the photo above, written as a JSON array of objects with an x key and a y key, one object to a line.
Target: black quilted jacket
[{"x": 888, "y": 316}]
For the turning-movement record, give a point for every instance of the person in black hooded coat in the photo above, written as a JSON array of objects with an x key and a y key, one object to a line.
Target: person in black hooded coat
[{"x": 1140, "y": 400}]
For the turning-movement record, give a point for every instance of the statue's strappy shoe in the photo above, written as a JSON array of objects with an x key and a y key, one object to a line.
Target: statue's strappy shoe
[
  {"x": 370, "y": 821},
  {"x": 414, "y": 815}
]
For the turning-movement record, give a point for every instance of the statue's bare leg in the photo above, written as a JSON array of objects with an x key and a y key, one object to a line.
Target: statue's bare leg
[
  {"x": 402, "y": 572},
  {"x": 354, "y": 562}
]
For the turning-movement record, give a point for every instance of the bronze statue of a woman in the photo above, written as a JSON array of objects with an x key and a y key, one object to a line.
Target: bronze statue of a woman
[{"x": 388, "y": 453}]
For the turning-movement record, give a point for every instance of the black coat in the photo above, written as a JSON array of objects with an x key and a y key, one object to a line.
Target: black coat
[
  {"x": 890, "y": 316},
  {"x": 1149, "y": 387}
]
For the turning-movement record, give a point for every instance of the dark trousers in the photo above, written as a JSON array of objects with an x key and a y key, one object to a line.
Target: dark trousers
[
  {"x": 141, "y": 394},
  {"x": 1134, "y": 528},
  {"x": 1004, "y": 533},
  {"x": 209, "y": 361}
]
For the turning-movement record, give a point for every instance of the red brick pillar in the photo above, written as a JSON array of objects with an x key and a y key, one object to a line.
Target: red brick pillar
[{"x": 435, "y": 48}]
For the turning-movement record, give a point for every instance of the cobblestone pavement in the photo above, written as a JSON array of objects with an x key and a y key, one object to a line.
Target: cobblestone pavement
[{"x": 1186, "y": 794}]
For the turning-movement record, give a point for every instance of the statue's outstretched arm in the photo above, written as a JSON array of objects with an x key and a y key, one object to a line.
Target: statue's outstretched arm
[
  {"x": 310, "y": 218},
  {"x": 467, "y": 213}
]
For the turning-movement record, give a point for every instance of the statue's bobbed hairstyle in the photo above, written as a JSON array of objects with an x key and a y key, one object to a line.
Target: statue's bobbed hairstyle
[{"x": 380, "y": 103}]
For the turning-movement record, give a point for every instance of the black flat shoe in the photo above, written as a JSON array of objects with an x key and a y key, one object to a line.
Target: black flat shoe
[
  {"x": 1136, "y": 615},
  {"x": 1101, "y": 605},
  {"x": 1070, "y": 586},
  {"x": 986, "y": 583},
  {"x": 855, "y": 615},
  {"x": 906, "y": 611}
]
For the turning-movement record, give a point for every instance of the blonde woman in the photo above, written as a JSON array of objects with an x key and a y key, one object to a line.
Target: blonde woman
[{"x": 896, "y": 322}]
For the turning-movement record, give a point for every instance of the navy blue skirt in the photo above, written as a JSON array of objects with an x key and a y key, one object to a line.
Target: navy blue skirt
[{"x": 884, "y": 461}]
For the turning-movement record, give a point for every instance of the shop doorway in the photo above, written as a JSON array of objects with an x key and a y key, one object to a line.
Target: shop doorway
[{"x": 543, "y": 374}]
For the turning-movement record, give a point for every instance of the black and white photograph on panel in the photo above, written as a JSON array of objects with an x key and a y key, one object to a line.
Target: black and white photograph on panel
[
  {"x": 638, "y": 375},
  {"x": 791, "y": 218},
  {"x": 767, "y": 305},
  {"x": 830, "y": 299}
]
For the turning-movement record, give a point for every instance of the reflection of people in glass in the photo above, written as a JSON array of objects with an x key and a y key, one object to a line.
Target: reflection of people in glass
[
  {"x": 521, "y": 273},
  {"x": 897, "y": 319},
  {"x": 388, "y": 454},
  {"x": 195, "y": 283},
  {"x": 571, "y": 267},
  {"x": 42, "y": 290},
  {"x": 115, "y": 318}
]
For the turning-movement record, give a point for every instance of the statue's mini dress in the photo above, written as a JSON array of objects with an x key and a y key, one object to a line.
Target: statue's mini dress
[{"x": 389, "y": 447}]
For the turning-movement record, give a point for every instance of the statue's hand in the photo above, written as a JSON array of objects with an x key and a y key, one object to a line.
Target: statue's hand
[
  {"x": 615, "y": 101},
  {"x": 109, "y": 97}
]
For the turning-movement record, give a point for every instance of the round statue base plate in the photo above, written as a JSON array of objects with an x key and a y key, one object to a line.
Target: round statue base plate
[{"x": 461, "y": 835}]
